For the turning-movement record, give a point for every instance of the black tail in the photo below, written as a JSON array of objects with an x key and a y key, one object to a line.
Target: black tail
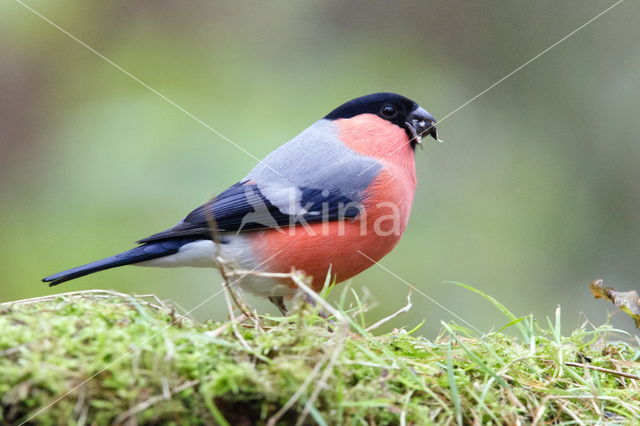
[{"x": 139, "y": 254}]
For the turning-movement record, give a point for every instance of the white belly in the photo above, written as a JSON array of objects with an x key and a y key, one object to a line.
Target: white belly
[{"x": 238, "y": 252}]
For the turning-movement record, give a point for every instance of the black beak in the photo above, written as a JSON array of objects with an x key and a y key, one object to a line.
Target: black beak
[{"x": 420, "y": 123}]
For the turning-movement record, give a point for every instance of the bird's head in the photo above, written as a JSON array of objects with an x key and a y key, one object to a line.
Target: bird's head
[{"x": 395, "y": 109}]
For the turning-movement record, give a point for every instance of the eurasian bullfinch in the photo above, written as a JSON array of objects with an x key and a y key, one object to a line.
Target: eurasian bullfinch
[{"x": 340, "y": 190}]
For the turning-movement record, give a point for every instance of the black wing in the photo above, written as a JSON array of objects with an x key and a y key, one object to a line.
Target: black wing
[{"x": 243, "y": 207}]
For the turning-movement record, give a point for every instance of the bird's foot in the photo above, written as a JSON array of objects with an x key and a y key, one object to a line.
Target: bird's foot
[
  {"x": 308, "y": 299},
  {"x": 279, "y": 302}
]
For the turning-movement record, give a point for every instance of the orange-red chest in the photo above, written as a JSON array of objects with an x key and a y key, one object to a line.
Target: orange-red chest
[{"x": 342, "y": 246}]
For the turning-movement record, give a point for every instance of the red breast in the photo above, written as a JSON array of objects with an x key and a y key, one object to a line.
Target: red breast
[{"x": 337, "y": 245}]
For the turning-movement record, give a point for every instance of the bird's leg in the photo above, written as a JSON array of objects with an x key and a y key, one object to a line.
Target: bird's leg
[
  {"x": 308, "y": 299},
  {"x": 279, "y": 302}
]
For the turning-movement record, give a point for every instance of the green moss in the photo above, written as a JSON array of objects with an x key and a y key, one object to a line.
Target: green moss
[{"x": 126, "y": 358}]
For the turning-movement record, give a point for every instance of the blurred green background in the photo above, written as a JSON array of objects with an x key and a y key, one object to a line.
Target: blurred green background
[{"x": 534, "y": 194}]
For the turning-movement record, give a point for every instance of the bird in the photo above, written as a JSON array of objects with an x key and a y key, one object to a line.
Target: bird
[{"x": 330, "y": 202}]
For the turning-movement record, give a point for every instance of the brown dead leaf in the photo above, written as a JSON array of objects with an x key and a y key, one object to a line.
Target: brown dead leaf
[{"x": 627, "y": 301}]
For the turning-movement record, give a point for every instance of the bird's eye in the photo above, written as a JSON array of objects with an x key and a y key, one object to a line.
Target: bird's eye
[{"x": 388, "y": 111}]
